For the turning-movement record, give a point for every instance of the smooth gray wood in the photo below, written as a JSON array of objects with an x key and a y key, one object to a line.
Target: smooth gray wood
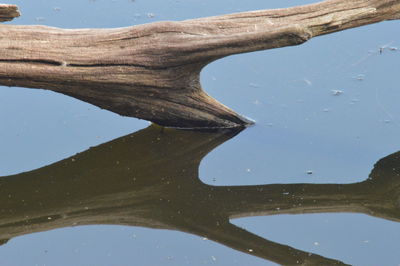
[{"x": 152, "y": 71}]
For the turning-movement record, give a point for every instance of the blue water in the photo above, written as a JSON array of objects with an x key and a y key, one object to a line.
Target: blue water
[{"x": 303, "y": 134}]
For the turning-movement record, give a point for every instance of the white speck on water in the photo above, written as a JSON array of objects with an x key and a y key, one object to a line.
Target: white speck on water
[
  {"x": 308, "y": 82},
  {"x": 360, "y": 77},
  {"x": 366, "y": 241},
  {"x": 57, "y": 9},
  {"x": 316, "y": 243},
  {"x": 336, "y": 92},
  {"x": 213, "y": 258},
  {"x": 254, "y": 85},
  {"x": 39, "y": 19},
  {"x": 151, "y": 15},
  {"x": 257, "y": 102},
  {"x": 326, "y": 110},
  {"x": 248, "y": 170},
  {"x": 205, "y": 238},
  {"x": 309, "y": 172}
]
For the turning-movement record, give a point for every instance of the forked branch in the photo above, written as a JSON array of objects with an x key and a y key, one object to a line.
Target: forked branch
[{"x": 152, "y": 71}]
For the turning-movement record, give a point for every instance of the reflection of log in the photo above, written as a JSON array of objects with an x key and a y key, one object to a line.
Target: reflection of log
[
  {"x": 149, "y": 179},
  {"x": 152, "y": 71}
]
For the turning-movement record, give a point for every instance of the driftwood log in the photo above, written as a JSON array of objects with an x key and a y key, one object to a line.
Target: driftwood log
[
  {"x": 152, "y": 71},
  {"x": 151, "y": 179}
]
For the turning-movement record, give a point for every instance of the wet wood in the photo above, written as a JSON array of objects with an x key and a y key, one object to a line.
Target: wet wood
[{"x": 152, "y": 71}]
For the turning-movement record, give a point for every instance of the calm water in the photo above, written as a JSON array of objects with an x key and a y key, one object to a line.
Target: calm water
[{"x": 144, "y": 196}]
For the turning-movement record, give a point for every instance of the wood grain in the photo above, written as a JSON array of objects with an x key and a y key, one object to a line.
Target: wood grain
[
  {"x": 8, "y": 12},
  {"x": 152, "y": 71}
]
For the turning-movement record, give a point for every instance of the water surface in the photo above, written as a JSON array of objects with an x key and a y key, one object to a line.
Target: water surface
[{"x": 302, "y": 169}]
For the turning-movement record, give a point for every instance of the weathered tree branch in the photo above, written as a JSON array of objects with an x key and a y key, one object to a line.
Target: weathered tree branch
[
  {"x": 8, "y": 12},
  {"x": 152, "y": 71}
]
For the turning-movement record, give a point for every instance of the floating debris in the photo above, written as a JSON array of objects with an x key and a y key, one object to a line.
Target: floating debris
[
  {"x": 151, "y": 15},
  {"x": 309, "y": 172},
  {"x": 336, "y": 92},
  {"x": 387, "y": 47},
  {"x": 39, "y": 19},
  {"x": 257, "y": 102},
  {"x": 254, "y": 85},
  {"x": 360, "y": 77},
  {"x": 308, "y": 82}
]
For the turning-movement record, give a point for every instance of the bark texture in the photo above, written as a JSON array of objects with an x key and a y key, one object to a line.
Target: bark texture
[
  {"x": 8, "y": 12},
  {"x": 152, "y": 71}
]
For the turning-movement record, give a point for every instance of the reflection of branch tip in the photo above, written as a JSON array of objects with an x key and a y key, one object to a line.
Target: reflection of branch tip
[{"x": 3, "y": 241}]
